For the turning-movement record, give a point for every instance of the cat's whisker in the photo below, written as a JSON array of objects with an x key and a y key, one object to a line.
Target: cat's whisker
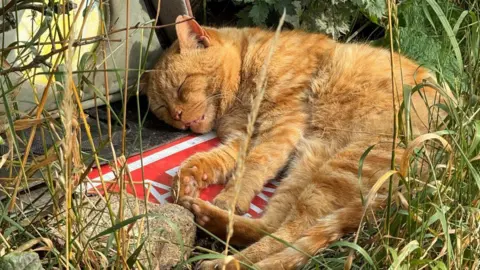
[
  {"x": 158, "y": 108},
  {"x": 215, "y": 96}
]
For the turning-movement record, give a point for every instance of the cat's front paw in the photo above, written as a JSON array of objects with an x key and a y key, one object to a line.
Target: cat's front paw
[
  {"x": 224, "y": 200},
  {"x": 194, "y": 174},
  {"x": 230, "y": 264}
]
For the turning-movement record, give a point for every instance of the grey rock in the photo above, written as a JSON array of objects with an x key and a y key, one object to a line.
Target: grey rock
[
  {"x": 21, "y": 261},
  {"x": 171, "y": 229}
]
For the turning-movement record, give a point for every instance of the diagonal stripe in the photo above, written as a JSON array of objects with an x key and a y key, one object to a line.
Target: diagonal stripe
[
  {"x": 255, "y": 208},
  {"x": 172, "y": 171},
  {"x": 157, "y": 184},
  {"x": 157, "y": 156},
  {"x": 263, "y": 196},
  {"x": 155, "y": 194},
  {"x": 268, "y": 189}
]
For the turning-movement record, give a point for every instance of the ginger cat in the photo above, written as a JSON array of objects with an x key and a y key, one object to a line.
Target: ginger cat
[{"x": 324, "y": 105}]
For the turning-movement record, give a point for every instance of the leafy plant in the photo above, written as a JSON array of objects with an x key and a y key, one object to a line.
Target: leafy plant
[{"x": 333, "y": 17}]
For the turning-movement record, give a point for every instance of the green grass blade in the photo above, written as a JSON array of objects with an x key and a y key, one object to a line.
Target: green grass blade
[
  {"x": 357, "y": 248},
  {"x": 133, "y": 258},
  {"x": 409, "y": 248},
  {"x": 448, "y": 29},
  {"x": 118, "y": 226},
  {"x": 459, "y": 21}
]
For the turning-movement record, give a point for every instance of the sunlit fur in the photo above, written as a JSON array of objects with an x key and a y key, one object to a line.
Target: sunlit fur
[{"x": 325, "y": 104}]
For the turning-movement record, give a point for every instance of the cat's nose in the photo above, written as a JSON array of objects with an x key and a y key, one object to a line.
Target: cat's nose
[{"x": 177, "y": 114}]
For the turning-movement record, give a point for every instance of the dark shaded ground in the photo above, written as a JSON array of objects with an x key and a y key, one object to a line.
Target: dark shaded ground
[{"x": 153, "y": 132}]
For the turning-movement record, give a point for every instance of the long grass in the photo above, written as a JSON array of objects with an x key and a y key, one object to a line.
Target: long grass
[
  {"x": 432, "y": 222},
  {"x": 62, "y": 229}
]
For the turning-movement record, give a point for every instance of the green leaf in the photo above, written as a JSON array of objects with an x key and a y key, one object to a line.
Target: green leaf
[
  {"x": 86, "y": 59},
  {"x": 288, "y": 5},
  {"x": 259, "y": 12},
  {"x": 376, "y": 8},
  {"x": 244, "y": 17}
]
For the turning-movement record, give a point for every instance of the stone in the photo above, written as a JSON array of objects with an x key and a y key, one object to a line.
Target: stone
[
  {"x": 21, "y": 261},
  {"x": 168, "y": 226}
]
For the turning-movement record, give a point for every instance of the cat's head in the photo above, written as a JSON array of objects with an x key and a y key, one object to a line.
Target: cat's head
[{"x": 183, "y": 89}]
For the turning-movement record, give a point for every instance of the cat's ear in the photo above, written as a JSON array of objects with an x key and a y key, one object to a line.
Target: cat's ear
[{"x": 190, "y": 34}]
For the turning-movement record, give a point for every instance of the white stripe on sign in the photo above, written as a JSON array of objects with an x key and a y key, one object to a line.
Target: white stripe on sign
[
  {"x": 155, "y": 193},
  {"x": 268, "y": 189},
  {"x": 263, "y": 196},
  {"x": 156, "y": 156},
  {"x": 159, "y": 185},
  {"x": 162, "y": 199},
  {"x": 255, "y": 208},
  {"x": 172, "y": 171}
]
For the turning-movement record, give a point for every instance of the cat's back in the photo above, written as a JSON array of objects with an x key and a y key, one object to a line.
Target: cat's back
[
  {"x": 356, "y": 92},
  {"x": 348, "y": 86}
]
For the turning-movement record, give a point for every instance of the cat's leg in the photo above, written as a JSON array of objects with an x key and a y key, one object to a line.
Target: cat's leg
[
  {"x": 214, "y": 166},
  {"x": 327, "y": 208},
  {"x": 246, "y": 230},
  {"x": 276, "y": 140},
  {"x": 215, "y": 220},
  {"x": 299, "y": 219},
  {"x": 277, "y": 135},
  {"x": 205, "y": 168},
  {"x": 338, "y": 180},
  {"x": 289, "y": 232},
  {"x": 328, "y": 229},
  {"x": 289, "y": 207}
]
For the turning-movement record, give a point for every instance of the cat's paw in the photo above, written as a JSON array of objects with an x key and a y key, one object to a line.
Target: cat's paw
[
  {"x": 224, "y": 200},
  {"x": 194, "y": 174},
  {"x": 206, "y": 215},
  {"x": 199, "y": 208},
  {"x": 231, "y": 264}
]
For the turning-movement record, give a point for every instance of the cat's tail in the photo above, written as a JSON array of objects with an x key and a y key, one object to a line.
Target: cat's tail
[{"x": 327, "y": 230}]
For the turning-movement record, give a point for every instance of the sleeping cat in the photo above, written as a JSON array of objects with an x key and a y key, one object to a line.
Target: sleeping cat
[{"x": 325, "y": 104}]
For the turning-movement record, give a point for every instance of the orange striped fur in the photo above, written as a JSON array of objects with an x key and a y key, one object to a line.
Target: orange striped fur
[{"x": 325, "y": 104}]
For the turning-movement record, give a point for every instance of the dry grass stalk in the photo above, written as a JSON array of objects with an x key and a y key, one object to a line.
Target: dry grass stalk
[
  {"x": 392, "y": 14},
  {"x": 38, "y": 115},
  {"x": 252, "y": 117},
  {"x": 67, "y": 115},
  {"x": 123, "y": 251}
]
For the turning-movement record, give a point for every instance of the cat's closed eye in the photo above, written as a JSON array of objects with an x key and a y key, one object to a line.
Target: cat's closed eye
[{"x": 179, "y": 89}]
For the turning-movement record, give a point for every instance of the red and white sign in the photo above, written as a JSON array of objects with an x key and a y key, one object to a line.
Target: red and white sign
[{"x": 159, "y": 167}]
